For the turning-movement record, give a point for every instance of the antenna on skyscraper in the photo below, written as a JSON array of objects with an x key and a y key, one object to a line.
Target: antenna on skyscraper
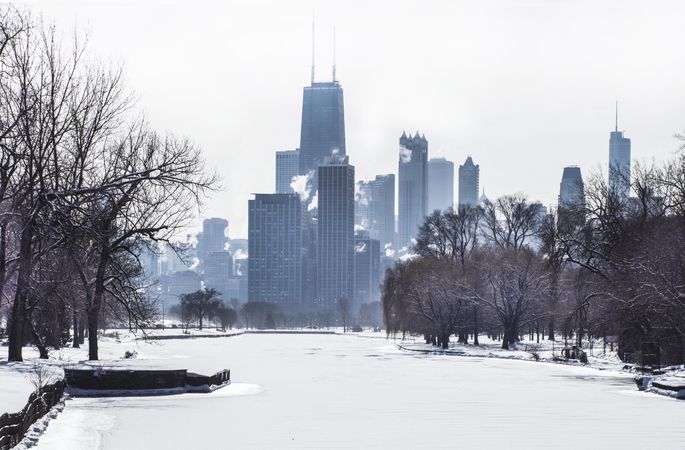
[
  {"x": 312, "y": 46},
  {"x": 616, "y": 129},
  {"x": 334, "y": 53}
]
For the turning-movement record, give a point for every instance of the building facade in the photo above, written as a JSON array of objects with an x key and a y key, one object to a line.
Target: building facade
[
  {"x": 322, "y": 131},
  {"x": 619, "y": 164},
  {"x": 213, "y": 237},
  {"x": 382, "y": 210},
  {"x": 413, "y": 186},
  {"x": 275, "y": 250},
  {"x": 217, "y": 268},
  {"x": 469, "y": 178},
  {"x": 571, "y": 190},
  {"x": 335, "y": 235},
  {"x": 287, "y": 167},
  {"x": 440, "y": 184},
  {"x": 367, "y": 270}
]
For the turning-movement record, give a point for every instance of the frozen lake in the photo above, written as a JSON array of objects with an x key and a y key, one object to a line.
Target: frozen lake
[{"x": 292, "y": 391}]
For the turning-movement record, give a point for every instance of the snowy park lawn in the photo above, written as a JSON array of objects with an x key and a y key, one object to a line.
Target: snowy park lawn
[
  {"x": 15, "y": 388},
  {"x": 545, "y": 350}
]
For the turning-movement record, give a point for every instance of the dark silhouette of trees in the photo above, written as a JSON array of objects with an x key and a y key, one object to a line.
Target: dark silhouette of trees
[
  {"x": 201, "y": 304},
  {"x": 606, "y": 265},
  {"x": 84, "y": 186}
]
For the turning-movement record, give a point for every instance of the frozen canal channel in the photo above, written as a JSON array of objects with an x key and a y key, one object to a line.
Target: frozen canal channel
[{"x": 293, "y": 391}]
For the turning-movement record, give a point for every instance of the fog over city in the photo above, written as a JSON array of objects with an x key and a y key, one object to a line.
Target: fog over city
[
  {"x": 524, "y": 87},
  {"x": 350, "y": 225}
]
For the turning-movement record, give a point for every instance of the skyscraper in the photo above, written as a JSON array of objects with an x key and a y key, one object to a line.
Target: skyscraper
[
  {"x": 413, "y": 186},
  {"x": 382, "y": 210},
  {"x": 335, "y": 249},
  {"x": 323, "y": 124},
  {"x": 275, "y": 249},
  {"x": 571, "y": 190},
  {"x": 362, "y": 203},
  {"x": 619, "y": 163},
  {"x": 374, "y": 209},
  {"x": 469, "y": 177},
  {"x": 217, "y": 268},
  {"x": 213, "y": 236},
  {"x": 367, "y": 270},
  {"x": 287, "y": 167},
  {"x": 440, "y": 184}
]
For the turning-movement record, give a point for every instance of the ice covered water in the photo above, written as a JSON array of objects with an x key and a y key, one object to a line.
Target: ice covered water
[{"x": 293, "y": 391}]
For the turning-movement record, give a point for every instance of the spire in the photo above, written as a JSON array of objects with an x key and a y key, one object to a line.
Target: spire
[
  {"x": 616, "y": 129},
  {"x": 312, "y": 46},
  {"x": 334, "y": 54}
]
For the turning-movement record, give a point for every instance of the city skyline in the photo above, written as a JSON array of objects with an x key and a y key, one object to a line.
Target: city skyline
[{"x": 563, "y": 85}]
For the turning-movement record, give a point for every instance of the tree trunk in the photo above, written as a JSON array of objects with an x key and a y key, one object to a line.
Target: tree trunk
[
  {"x": 475, "y": 325},
  {"x": 92, "y": 335},
  {"x": 505, "y": 340},
  {"x": 18, "y": 314},
  {"x": 75, "y": 343},
  {"x": 81, "y": 330},
  {"x": 93, "y": 311}
]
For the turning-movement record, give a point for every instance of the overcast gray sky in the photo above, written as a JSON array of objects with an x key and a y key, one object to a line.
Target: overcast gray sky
[{"x": 525, "y": 86}]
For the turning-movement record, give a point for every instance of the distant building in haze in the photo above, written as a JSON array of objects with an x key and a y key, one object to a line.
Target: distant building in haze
[
  {"x": 213, "y": 236},
  {"x": 335, "y": 236},
  {"x": 173, "y": 286},
  {"x": 362, "y": 203},
  {"x": 619, "y": 163},
  {"x": 375, "y": 208},
  {"x": 469, "y": 177},
  {"x": 367, "y": 270},
  {"x": 382, "y": 210},
  {"x": 217, "y": 268},
  {"x": 287, "y": 167},
  {"x": 440, "y": 184},
  {"x": 413, "y": 186},
  {"x": 571, "y": 191},
  {"x": 275, "y": 250},
  {"x": 322, "y": 131}
]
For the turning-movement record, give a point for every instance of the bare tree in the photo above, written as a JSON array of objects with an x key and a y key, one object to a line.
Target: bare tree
[{"x": 510, "y": 221}]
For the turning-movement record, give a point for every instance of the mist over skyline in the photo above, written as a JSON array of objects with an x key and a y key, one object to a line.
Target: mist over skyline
[{"x": 524, "y": 87}]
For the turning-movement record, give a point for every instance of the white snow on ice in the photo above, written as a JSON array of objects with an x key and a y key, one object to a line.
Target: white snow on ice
[{"x": 332, "y": 391}]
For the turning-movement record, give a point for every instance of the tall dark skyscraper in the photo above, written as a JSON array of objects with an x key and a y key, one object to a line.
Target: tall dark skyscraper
[
  {"x": 440, "y": 184},
  {"x": 413, "y": 186},
  {"x": 619, "y": 163},
  {"x": 469, "y": 177},
  {"x": 323, "y": 124},
  {"x": 571, "y": 190},
  {"x": 335, "y": 249},
  {"x": 287, "y": 167},
  {"x": 275, "y": 248}
]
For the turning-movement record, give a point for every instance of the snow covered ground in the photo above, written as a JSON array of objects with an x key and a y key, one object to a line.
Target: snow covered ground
[
  {"x": 545, "y": 350},
  {"x": 15, "y": 389},
  {"x": 334, "y": 391}
]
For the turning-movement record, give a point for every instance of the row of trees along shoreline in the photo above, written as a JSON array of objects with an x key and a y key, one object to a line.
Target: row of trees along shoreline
[{"x": 608, "y": 265}]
